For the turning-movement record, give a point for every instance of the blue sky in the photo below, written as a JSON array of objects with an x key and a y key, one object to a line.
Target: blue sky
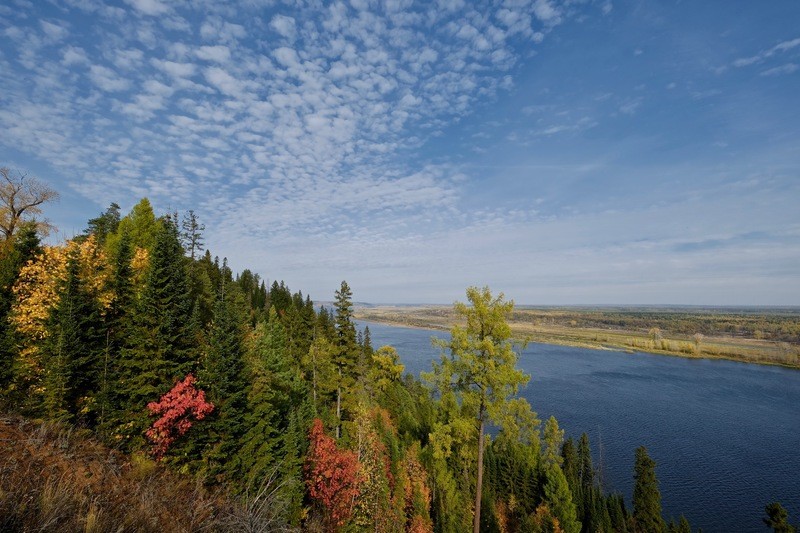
[{"x": 564, "y": 152}]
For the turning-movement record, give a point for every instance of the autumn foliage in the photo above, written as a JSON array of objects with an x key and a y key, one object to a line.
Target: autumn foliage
[
  {"x": 177, "y": 409},
  {"x": 332, "y": 476}
]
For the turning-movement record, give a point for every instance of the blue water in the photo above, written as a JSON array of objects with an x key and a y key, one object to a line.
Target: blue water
[{"x": 725, "y": 436}]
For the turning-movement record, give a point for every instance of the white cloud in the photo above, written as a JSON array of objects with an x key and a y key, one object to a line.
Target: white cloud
[
  {"x": 284, "y": 25},
  {"x": 219, "y": 53},
  {"x": 149, "y": 7},
  {"x": 215, "y": 28},
  {"x": 224, "y": 82},
  {"x": 127, "y": 58},
  {"x": 630, "y": 106},
  {"x": 761, "y": 56},
  {"x": 178, "y": 70},
  {"x": 545, "y": 11},
  {"x": 54, "y": 32},
  {"x": 788, "y": 68},
  {"x": 73, "y": 55},
  {"x": 106, "y": 79}
]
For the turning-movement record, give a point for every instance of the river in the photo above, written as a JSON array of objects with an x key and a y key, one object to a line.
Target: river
[{"x": 725, "y": 435}]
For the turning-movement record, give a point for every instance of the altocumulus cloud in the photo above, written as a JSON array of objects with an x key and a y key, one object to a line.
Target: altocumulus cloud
[{"x": 312, "y": 139}]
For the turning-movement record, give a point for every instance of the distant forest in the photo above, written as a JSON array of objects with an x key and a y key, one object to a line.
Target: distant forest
[{"x": 264, "y": 411}]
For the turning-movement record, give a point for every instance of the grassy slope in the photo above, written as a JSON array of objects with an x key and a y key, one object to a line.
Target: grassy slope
[
  {"x": 729, "y": 335},
  {"x": 56, "y": 478}
]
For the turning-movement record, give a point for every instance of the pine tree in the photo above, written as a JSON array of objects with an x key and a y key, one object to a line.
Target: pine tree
[
  {"x": 222, "y": 376},
  {"x": 14, "y": 253},
  {"x": 482, "y": 366},
  {"x": 73, "y": 349},
  {"x": 160, "y": 348},
  {"x": 346, "y": 348},
  {"x": 558, "y": 499},
  {"x": 104, "y": 225},
  {"x": 117, "y": 330},
  {"x": 646, "y": 496},
  {"x": 192, "y": 234},
  {"x": 269, "y": 401},
  {"x": 778, "y": 518}
]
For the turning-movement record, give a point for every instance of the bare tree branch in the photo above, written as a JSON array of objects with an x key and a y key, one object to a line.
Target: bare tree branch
[{"x": 21, "y": 197}]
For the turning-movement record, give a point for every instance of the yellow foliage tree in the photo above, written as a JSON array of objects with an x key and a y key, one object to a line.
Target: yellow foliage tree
[{"x": 36, "y": 293}]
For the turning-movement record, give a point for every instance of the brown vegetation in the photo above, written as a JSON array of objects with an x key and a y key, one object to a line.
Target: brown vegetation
[{"x": 54, "y": 478}]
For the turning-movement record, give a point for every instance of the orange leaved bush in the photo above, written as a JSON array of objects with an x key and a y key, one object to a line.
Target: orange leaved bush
[
  {"x": 332, "y": 476},
  {"x": 177, "y": 409}
]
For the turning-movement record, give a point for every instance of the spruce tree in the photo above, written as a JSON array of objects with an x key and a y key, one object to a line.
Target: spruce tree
[
  {"x": 778, "y": 518},
  {"x": 14, "y": 253},
  {"x": 192, "y": 234},
  {"x": 558, "y": 498},
  {"x": 646, "y": 496},
  {"x": 117, "y": 331},
  {"x": 222, "y": 376},
  {"x": 160, "y": 349},
  {"x": 269, "y": 400},
  {"x": 73, "y": 350},
  {"x": 104, "y": 225},
  {"x": 346, "y": 348},
  {"x": 570, "y": 465},
  {"x": 587, "y": 496}
]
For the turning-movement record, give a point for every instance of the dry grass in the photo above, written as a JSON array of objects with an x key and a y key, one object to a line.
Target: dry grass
[{"x": 53, "y": 478}]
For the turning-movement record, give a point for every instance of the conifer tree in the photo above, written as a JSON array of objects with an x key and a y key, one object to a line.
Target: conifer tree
[
  {"x": 558, "y": 498},
  {"x": 553, "y": 440},
  {"x": 14, "y": 253},
  {"x": 646, "y": 496},
  {"x": 105, "y": 224},
  {"x": 140, "y": 224},
  {"x": 346, "y": 348},
  {"x": 482, "y": 365},
  {"x": 192, "y": 234},
  {"x": 618, "y": 517},
  {"x": 73, "y": 349},
  {"x": 570, "y": 464},
  {"x": 222, "y": 376},
  {"x": 586, "y": 496},
  {"x": 778, "y": 518},
  {"x": 160, "y": 348},
  {"x": 116, "y": 333},
  {"x": 270, "y": 398}
]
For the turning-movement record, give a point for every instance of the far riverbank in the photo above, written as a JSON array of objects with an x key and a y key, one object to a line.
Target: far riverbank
[{"x": 659, "y": 332}]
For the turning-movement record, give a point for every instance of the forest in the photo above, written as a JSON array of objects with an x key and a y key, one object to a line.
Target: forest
[{"x": 234, "y": 405}]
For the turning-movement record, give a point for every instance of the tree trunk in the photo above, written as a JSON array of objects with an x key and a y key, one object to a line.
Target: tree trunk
[
  {"x": 476, "y": 525},
  {"x": 339, "y": 406}
]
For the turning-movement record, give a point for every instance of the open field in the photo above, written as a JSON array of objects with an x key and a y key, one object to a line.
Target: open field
[{"x": 769, "y": 336}]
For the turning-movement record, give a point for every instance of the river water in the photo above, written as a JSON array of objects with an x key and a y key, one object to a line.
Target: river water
[{"x": 725, "y": 435}]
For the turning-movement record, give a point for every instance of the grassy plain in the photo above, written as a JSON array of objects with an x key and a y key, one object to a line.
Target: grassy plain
[{"x": 765, "y": 336}]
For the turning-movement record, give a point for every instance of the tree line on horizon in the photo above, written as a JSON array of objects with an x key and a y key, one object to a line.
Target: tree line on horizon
[{"x": 135, "y": 332}]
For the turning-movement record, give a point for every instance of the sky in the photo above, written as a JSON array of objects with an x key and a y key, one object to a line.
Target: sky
[{"x": 562, "y": 152}]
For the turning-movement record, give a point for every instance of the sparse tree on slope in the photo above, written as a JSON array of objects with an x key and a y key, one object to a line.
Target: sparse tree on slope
[{"x": 481, "y": 366}]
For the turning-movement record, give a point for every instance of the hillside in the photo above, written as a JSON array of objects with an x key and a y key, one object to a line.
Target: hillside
[{"x": 56, "y": 478}]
